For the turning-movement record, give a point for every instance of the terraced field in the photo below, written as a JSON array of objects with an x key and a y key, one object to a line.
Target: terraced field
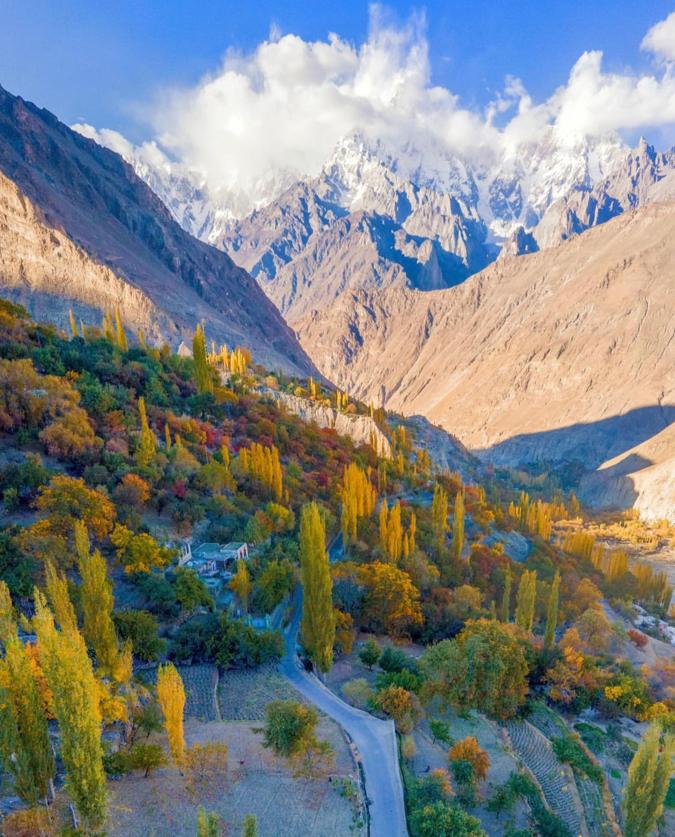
[
  {"x": 556, "y": 780},
  {"x": 244, "y": 694}
]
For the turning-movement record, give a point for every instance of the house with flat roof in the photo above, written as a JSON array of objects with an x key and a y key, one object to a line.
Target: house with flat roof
[{"x": 210, "y": 559}]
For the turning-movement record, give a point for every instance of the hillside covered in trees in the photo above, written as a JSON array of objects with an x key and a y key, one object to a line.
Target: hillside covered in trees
[{"x": 116, "y": 455}]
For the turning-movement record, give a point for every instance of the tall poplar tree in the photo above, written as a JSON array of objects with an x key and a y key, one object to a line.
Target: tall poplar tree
[
  {"x": 70, "y": 676},
  {"x": 506, "y": 596},
  {"x": 120, "y": 334},
  {"x": 96, "y": 597},
  {"x": 317, "y": 629},
  {"x": 648, "y": 778},
  {"x": 439, "y": 515},
  {"x": 56, "y": 585},
  {"x": 30, "y": 756},
  {"x": 147, "y": 444},
  {"x": 458, "y": 526},
  {"x": 171, "y": 697},
  {"x": 203, "y": 378},
  {"x": 525, "y": 600},
  {"x": 552, "y": 612},
  {"x": 24, "y": 736}
]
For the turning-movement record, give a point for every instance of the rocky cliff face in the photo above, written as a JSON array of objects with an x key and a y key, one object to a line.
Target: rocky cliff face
[
  {"x": 361, "y": 429},
  {"x": 80, "y": 228},
  {"x": 563, "y": 355}
]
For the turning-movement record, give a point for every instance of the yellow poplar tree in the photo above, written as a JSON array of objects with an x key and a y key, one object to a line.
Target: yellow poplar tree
[
  {"x": 120, "y": 334},
  {"x": 147, "y": 444},
  {"x": 202, "y": 372},
  {"x": 24, "y": 736},
  {"x": 439, "y": 515},
  {"x": 59, "y": 597},
  {"x": 317, "y": 629},
  {"x": 241, "y": 584},
  {"x": 171, "y": 697},
  {"x": 97, "y": 602},
  {"x": 70, "y": 676}
]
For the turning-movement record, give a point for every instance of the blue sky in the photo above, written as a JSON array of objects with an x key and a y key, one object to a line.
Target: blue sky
[{"x": 98, "y": 62}]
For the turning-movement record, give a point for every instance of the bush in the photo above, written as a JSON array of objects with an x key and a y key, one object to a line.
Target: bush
[
  {"x": 405, "y": 679},
  {"x": 408, "y": 748},
  {"x": 444, "y": 820},
  {"x": 395, "y": 660},
  {"x": 141, "y": 628},
  {"x": 358, "y": 691}
]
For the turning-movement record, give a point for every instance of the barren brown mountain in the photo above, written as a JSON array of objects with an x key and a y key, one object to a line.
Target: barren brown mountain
[
  {"x": 79, "y": 229},
  {"x": 563, "y": 355}
]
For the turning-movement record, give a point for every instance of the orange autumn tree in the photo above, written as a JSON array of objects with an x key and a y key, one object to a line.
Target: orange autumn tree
[
  {"x": 392, "y": 602},
  {"x": 468, "y": 750}
]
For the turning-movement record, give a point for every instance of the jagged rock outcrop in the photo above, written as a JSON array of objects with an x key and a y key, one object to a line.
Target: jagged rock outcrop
[
  {"x": 357, "y": 225},
  {"x": 361, "y": 429},
  {"x": 80, "y": 229},
  {"x": 563, "y": 355},
  {"x": 643, "y": 176}
]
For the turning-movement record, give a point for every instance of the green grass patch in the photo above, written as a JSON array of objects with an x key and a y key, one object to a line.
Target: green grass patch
[{"x": 568, "y": 749}]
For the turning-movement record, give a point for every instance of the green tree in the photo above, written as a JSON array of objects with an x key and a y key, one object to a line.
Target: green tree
[
  {"x": 458, "y": 526},
  {"x": 370, "y": 653},
  {"x": 506, "y": 596},
  {"x": 317, "y": 628},
  {"x": 146, "y": 757},
  {"x": 552, "y": 612},
  {"x": 526, "y": 599},
  {"x": 442, "y": 819},
  {"x": 141, "y": 629},
  {"x": 208, "y": 825},
  {"x": 440, "y": 731},
  {"x": 191, "y": 592},
  {"x": 250, "y": 826},
  {"x": 484, "y": 668},
  {"x": 288, "y": 726},
  {"x": 203, "y": 378},
  {"x": 70, "y": 676},
  {"x": 648, "y": 777}
]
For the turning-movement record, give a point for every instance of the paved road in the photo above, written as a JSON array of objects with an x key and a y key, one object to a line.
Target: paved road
[{"x": 375, "y": 739}]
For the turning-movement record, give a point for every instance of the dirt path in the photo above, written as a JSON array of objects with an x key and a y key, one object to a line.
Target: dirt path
[{"x": 375, "y": 740}]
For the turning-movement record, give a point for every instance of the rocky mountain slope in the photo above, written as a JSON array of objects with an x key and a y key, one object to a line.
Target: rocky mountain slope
[
  {"x": 563, "y": 355},
  {"x": 642, "y": 478},
  {"x": 78, "y": 228},
  {"x": 643, "y": 176},
  {"x": 374, "y": 217}
]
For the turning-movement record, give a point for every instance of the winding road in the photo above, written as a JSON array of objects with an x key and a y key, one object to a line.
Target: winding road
[{"x": 375, "y": 739}]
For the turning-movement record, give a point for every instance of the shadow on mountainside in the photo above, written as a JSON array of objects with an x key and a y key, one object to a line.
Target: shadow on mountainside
[{"x": 589, "y": 444}]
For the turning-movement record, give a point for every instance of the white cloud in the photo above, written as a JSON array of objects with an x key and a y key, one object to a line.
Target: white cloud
[
  {"x": 660, "y": 40},
  {"x": 278, "y": 112}
]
